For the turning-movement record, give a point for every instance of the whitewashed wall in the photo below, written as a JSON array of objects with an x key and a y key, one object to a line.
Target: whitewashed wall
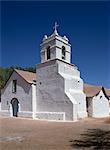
[
  {"x": 55, "y": 82},
  {"x": 50, "y": 91},
  {"x": 74, "y": 87},
  {"x": 55, "y": 42},
  {"x": 100, "y": 105},
  {"x": 23, "y": 94}
]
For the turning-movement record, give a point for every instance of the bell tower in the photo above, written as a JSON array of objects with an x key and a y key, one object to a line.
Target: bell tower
[
  {"x": 59, "y": 87},
  {"x": 55, "y": 47}
]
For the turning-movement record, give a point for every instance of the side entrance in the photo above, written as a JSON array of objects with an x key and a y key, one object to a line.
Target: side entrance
[{"x": 15, "y": 106}]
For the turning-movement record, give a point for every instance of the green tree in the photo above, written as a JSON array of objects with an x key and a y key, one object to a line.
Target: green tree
[
  {"x": 6, "y": 72},
  {"x": 2, "y": 81}
]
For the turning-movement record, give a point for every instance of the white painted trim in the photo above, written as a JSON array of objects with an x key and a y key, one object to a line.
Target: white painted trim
[
  {"x": 34, "y": 100},
  {"x": 64, "y": 117},
  {"x": 26, "y": 112},
  {"x": 11, "y": 110},
  {"x": 51, "y": 112},
  {"x": 19, "y": 107},
  {"x": 4, "y": 111},
  {"x": 56, "y": 37}
]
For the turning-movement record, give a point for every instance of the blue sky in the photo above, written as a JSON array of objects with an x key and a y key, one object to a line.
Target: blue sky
[{"x": 86, "y": 24}]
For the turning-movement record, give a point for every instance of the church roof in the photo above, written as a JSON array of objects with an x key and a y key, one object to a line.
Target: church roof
[
  {"x": 26, "y": 75},
  {"x": 91, "y": 90}
]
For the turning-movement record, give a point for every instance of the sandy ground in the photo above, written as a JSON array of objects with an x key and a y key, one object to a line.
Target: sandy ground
[{"x": 27, "y": 134}]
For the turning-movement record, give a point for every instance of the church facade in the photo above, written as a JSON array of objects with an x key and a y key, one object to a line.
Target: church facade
[{"x": 56, "y": 91}]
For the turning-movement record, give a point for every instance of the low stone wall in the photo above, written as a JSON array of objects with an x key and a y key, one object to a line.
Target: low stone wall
[
  {"x": 38, "y": 115},
  {"x": 50, "y": 115}
]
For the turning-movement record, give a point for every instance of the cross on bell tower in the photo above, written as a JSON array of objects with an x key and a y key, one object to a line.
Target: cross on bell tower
[
  {"x": 55, "y": 47},
  {"x": 55, "y": 28}
]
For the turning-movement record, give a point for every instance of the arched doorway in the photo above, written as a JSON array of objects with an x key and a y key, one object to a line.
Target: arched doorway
[{"x": 15, "y": 106}]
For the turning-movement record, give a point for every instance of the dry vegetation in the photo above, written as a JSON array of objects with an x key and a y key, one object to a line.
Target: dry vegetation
[
  {"x": 24, "y": 134},
  {"x": 96, "y": 139}
]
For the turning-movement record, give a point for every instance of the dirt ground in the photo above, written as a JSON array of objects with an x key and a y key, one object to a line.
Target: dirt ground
[{"x": 27, "y": 134}]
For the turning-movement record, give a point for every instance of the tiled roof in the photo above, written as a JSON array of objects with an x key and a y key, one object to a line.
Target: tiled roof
[
  {"x": 91, "y": 90},
  {"x": 28, "y": 76}
]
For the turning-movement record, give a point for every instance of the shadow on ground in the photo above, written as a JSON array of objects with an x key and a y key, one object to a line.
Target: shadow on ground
[{"x": 94, "y": 139}]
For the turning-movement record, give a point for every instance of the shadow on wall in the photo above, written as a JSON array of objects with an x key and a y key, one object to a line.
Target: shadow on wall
[
  {"x": 93, "y": 139},
  {"x": 26, "y": 86}
]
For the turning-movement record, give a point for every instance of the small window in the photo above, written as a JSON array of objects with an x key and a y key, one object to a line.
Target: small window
[
  {"x": 48, "y": 53},
  {"x": 14, "y": 86},
  {"x": 63, "y": 53},
  {"x": 100, "y": 97}
]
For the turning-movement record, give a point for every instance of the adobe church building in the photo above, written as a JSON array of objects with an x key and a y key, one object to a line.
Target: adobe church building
[
  {"x": 57, "y": 94},
  {"x": 19, "y": 94}
]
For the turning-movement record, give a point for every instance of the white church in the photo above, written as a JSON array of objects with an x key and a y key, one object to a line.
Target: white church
[{"x": 56, "y": 91}]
